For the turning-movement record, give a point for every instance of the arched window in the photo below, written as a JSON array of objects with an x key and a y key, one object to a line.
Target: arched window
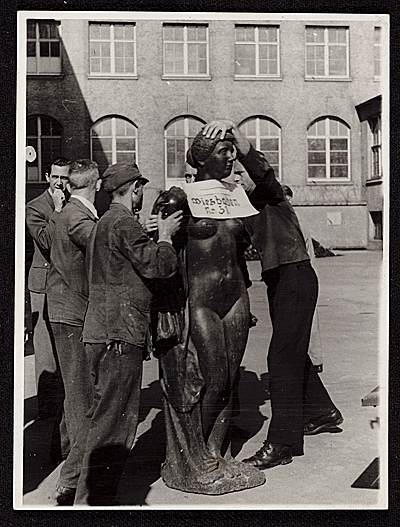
[
  {"x": 179, "y": 135},
  {"x": 265, "y": 135},
  {"x": 328, "y": 143},
  {"x": 44, "y": 134},
  {"x": 113, "y": 139}
]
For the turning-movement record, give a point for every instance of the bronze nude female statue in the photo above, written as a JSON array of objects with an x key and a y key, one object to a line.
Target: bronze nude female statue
[{"x": 202, "y": 321}]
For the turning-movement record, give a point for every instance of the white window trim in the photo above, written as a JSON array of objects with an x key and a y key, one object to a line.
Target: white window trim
[
  {"x": 114, "y": 137},
  {"x": 259, "y": 137},
  {"x": 185, "y": 74},
  {"x": 169, "y": 180},
  {"x": 259, "y": 75},
  {"x": 327, "y": 138},
  {"x": 326, "y": 45},
  {"x": 379, "y": 46},
  {"x": 39, "y": 138},
  {"x": 112, "y": 41},
  {"x": 37, "y": 41},
  {"x": 373, "y": 144}
]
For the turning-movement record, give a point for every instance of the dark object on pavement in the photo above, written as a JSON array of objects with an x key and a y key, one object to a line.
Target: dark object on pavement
[
  {"x": 65, "y": 496},
  {"x": 270, "y": 455},
  {"x": 320, "y": 251},
  {"x": 324, "y": 423},
  {"x": 369, "y": 479},
  {"x": 319, "y": 368}
]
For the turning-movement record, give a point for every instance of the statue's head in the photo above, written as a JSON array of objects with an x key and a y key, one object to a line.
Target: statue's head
[{"x": 214, "y": 156}]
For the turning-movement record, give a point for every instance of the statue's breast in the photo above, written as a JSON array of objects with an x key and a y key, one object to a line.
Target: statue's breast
[{"x": 207, "y": 227}]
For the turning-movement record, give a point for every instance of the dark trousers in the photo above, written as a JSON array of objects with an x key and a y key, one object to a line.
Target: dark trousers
[
  {"x": 297, "y": 393},
  {"x": 75, "y": 372},
  {"x": 107, "y": 432}
]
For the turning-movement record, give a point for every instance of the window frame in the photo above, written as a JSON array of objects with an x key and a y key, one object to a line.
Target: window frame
[
  {"x": 37, "y": 40},
  {"x": 256, "y": 42},
  {"x": 326, "y": 45},
  {"x": 378, "y": 52},
  {"x": 375, "y": 129},
  {"x": 186, "y": 137},
  {"x": 328, "y": 179},
  {"x": 258, "y": 138},
  {"x": 39, "y": 150},
  {"x": 114, "y": 151},
  {"x": 112, "y": 41},
  {"x": 185, "y": 75}
]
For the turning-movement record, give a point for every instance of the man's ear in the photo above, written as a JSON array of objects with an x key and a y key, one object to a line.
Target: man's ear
[
  {"x": 98, "y": 184},
  {"x": 200, "y": 163},
  {"x": 136, "y": 186},
  {"x": 47, "y": 177}
]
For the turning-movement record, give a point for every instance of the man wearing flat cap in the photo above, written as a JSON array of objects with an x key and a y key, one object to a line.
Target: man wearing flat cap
[{"x": 122, "y": 261}]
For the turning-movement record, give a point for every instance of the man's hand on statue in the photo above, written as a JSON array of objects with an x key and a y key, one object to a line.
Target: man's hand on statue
[
  {"x": 151, "y": 223},
  {"x": 58, "y": 199},
  {"x": 211, "y": 130},
  {"x": 169, "y": 226}
]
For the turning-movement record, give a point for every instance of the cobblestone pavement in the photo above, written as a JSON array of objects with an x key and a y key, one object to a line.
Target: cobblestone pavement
[{"x": 351, "y": 303}]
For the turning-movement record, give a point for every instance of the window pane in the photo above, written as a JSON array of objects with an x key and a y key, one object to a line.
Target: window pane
[
  {"x": 339, "y": 158},
  {"x": 315, "y": 172},
  {"x": 54, "y": 49},
  {"x": 245, "y": 59},
  {"x": 194, "y": 127},
  {"x": 314, "y": 34},
  {"x": 337, "y": 67},
  {"x": 105, "y": 31},
  {"x": 105, "y": 65},
  {"x": 316, "y": 158},
  {"x": 44, "y": 30},
  {"x": 128, "y": 157},
  {"x": 31, "y": 126},
  {"x": 105, "y": 127},
  {"x": 95, "y": 66},
  {"x": 339, "y": 171},
  {"x": 173, "y": 58},
  {"x": 316, "y": 144},
  {"x": 272, "y": 157},
  {"x": 267, "y": 34},
  {"x": 94, "y": 31},
  {"x": 105, "y": 49},
  {"x": 31, "y": 49},
  {"x": 45, "y": 49},
  {"x": 125, "y": 143},
  {"x": 31, "y": 28},
  {"x": 118, "y": 31},
  {"x": 239, "y": 34},
  {"x": 337, "y": 34},
  {"x": 338, "y": 144},
  {"x": 269, "y": 144}
]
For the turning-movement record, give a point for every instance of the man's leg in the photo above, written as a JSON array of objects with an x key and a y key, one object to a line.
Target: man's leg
[
  {"x": 293, "y": 300},
  {"x": 113, "y": 421},
  {"x": 50, "y": 389},
  {"x": 75, "y": 371}
]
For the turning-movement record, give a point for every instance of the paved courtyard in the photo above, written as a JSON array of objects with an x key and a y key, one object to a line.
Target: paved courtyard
[{"x": 350, "y": 305}]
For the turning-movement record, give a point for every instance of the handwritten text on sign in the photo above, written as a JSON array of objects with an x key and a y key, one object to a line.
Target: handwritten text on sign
[{"x": 217, "y": 199}]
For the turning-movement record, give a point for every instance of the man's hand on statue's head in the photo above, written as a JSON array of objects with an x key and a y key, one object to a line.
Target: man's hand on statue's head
[{"x": 212, "y": 129}]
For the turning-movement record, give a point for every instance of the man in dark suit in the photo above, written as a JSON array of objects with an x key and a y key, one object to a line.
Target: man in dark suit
[
  {"x": 67, "y": 288},
  {"x": 50, "y": 392}
]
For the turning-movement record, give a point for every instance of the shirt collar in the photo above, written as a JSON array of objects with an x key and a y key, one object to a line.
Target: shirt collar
[{"x": 87, "y": 204}]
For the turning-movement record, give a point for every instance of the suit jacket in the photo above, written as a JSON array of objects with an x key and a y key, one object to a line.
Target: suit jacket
[
  {"x": 67, "y": 283},
  {"x": 123, "y": 264},
  {"x": 40, "y": 217}
]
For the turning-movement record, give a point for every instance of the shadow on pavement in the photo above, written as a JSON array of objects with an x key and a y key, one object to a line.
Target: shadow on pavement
[
  {"x": 253, "y": 392},
  {"x": 143, "y": 466}
]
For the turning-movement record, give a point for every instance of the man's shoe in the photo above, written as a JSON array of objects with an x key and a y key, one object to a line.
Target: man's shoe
[
  {"x": 325, "y": 422},
  {"x": 65, "y": 495},
  {"x": 270, "y": 455}
]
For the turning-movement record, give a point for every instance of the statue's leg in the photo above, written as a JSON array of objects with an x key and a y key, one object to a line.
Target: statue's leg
[{"x": 207, "y": 333}]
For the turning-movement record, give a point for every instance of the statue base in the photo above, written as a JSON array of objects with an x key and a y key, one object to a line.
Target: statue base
[{"x": 235, "y": 476}]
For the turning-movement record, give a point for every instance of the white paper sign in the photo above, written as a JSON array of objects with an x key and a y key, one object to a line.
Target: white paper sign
[{"x": 218, "y": 199}]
